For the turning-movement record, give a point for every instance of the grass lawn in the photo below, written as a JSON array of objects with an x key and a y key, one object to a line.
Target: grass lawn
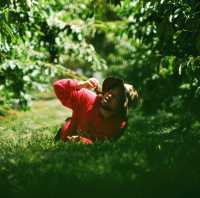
[{"x": 145, "y": 162}]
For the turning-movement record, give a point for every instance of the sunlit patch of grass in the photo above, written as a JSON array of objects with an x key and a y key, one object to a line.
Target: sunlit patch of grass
[{"x": 44, "y": 114}]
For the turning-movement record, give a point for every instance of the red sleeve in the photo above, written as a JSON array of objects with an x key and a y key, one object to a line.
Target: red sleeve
[{"x": 66, "y": 91}]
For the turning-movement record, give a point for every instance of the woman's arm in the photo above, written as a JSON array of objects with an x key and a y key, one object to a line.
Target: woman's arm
[{"x": 67, "y": 90}]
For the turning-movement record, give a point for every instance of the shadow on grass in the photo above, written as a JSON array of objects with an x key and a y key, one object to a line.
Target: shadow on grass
[{"x": 152, "y": 159}]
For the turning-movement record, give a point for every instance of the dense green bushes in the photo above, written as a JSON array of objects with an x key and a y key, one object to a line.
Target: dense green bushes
[
  {"x": 163, "y": 54},
  {"x": 153, "y": 44},
  {"x": 47, "y": 31}
]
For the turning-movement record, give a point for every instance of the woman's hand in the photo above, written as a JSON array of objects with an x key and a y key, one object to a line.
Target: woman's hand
[{"x": 91, "y": 83}]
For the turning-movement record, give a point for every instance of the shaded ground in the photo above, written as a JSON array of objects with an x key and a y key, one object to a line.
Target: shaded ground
[{"x": 148, "y": 161}]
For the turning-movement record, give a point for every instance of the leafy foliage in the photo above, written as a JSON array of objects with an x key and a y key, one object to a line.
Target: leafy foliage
[
  {"x": 157, "y": 49},
  {"x": 42, "y": 31},
  {"x": 168, "y": 32}
]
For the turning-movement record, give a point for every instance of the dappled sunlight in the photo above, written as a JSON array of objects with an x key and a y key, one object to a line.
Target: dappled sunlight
[{"x": 153, "y": 46}]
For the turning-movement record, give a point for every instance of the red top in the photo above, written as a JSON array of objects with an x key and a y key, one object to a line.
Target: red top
[{"x": 86, "y": 116}]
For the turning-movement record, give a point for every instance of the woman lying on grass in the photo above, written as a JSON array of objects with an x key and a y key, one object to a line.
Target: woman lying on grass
[{"x": 96, "y": 116}]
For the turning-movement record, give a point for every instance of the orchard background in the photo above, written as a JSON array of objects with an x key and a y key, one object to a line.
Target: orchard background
[{"x": 154, "y": 45}]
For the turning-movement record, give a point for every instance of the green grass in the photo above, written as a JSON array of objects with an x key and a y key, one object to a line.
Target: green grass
[{"x": 151, "y": 159}]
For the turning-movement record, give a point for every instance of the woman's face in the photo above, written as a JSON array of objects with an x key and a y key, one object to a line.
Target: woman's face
[{"x": 111, "y": 99}]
